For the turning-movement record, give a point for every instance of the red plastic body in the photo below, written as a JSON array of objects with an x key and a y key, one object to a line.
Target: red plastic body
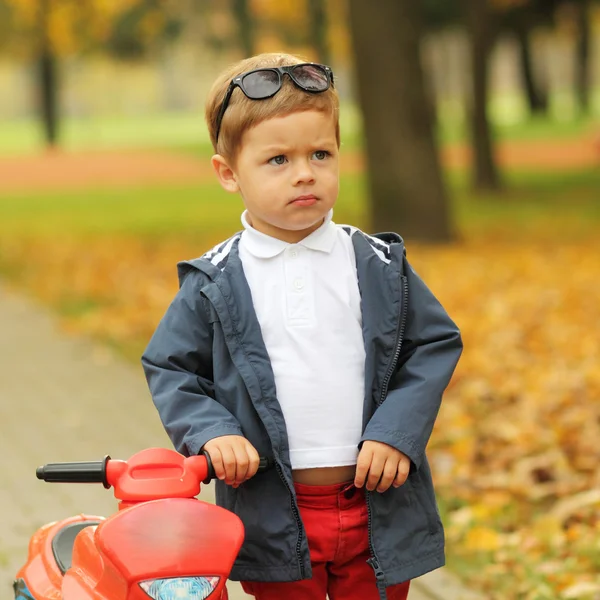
[
  {"x": 41, "y": 573},
  {"x": 161, "y": 531},
  {"x": 154, "y": 474}
]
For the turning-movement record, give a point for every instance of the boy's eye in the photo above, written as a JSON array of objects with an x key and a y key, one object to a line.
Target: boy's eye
[
  {"x": 277, "y": 160},
  {"x": 321, "y": 154}
]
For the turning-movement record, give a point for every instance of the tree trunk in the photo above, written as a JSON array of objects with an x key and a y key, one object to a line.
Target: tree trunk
[
  {"x": 47, "y": 79},
  {"x": 245, "y": 23},
  {"x": 537, "y": 98},
  {"x": 479, "y": 26},
  {"x": 405, "y": 180},
  {"x": 582, "y": 67},
  {"x": 318, "y": 29}
]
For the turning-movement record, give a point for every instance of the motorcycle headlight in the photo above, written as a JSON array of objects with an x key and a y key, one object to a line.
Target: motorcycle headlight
[{"x": 181, "y": 588}]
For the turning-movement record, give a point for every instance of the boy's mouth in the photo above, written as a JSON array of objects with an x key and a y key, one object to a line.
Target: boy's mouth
[{"x": 307, "y": 200}]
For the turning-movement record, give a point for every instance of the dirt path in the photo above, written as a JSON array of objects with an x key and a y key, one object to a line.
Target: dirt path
[
  {"x": 84, "y": 170},
  {"x": 71, "y": 171}
]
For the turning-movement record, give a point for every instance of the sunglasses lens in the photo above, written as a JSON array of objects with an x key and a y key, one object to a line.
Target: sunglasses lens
[
  {"x": 261, "y": 84},
  {"x": 312, "y": 78}
]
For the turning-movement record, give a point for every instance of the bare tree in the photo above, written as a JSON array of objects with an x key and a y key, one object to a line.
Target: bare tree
[
  {"x": 537, "y": 96},
  {"x": 522, "y": 20},
  {"x": 583, "y": 51},
  {"x": 243, "y": 16},
  {"x": 318, "y": 29},
  {"x": 406, "y": 185},
  {"x": 47, "y": 76},
  {"x": 481, "y": 34}
]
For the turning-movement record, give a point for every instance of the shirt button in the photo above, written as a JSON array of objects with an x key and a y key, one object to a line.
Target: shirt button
[
  {"x": 293, "y": 253},
  {"x": 299, "y": 284}
]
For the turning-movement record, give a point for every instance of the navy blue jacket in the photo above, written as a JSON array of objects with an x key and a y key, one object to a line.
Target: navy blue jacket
[{"x": 210, "y": 375}]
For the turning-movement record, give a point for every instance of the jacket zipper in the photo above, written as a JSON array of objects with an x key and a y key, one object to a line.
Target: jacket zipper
[
  {"x": 298, "y": 521},
  {"x": 399, "y": 340},
  {"x": 374, "y": 561}
]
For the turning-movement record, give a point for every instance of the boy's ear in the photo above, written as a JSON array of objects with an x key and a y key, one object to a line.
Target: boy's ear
[{"x": 225, "y": 174}]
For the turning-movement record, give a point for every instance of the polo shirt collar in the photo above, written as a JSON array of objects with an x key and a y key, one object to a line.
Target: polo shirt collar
[{"x": 262, "y": 245}]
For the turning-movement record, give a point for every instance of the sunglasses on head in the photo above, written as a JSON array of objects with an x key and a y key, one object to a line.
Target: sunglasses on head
[{"x": 264, "y": 83}]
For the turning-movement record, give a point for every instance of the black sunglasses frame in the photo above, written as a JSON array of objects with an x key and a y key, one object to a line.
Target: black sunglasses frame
[{"x": 281, "y": 71}]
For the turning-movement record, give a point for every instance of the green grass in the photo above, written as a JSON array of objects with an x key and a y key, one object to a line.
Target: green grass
[
  {"x": 557, "y": 199},
  {"x": 185, "y": 211},
  {"x": 23, "y": 136},
  {"x": 530, "y": 198}
]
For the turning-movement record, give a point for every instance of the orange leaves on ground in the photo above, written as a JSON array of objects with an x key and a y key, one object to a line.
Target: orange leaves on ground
[
  {"x": 115, "y": 290},
  {"x": 516, "y": 449}
]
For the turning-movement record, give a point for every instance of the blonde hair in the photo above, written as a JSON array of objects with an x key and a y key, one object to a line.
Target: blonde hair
[{"x": 243, "y": 113}]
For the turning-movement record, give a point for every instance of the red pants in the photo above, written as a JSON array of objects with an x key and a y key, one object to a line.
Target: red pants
[{"x": 335, "y": 520}]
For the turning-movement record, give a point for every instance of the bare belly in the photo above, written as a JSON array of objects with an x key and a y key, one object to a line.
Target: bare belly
[{"x": 324, "y": 475}]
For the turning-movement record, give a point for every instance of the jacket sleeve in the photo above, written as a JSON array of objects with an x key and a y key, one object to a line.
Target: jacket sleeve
[
  {"x": 431, "y": 349},
  {"x": 178, "y": 367}
]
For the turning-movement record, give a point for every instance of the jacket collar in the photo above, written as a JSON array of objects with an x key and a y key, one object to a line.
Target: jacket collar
[{"x": 388, "y": 248}]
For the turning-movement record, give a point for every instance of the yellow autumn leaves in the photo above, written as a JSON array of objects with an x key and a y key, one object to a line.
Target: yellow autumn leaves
[{"x": 516, "y": 449}]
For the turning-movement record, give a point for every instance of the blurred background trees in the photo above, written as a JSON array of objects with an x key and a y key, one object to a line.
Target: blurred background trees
[
  {"x": 406, "y": 186},
  {"x": 403, "y": 93},
  {"x": 42, "y": 32}
]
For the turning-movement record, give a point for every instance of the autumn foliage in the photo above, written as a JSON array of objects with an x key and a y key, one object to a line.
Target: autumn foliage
[{"x": 76, "y": 25}]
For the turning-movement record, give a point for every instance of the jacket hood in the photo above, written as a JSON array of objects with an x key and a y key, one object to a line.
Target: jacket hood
[
  {"x": 389, "y": 237},
  {"x": 212, "y": 262}
]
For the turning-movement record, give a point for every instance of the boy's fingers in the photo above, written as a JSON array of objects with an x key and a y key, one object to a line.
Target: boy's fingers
[
  {"x": 362, "y": 467},
  {"x": 253, "y": 460},
  {"x": 241, "y": 463},
  {"x": 229, "y": 465},
  {"x": 402, "y": 473},
  {"x": 234, "y": 459},
  {"x": 390, "y": 470},
  {"x": 400, "y": 479},
  {"x": 375, "y": 471}
]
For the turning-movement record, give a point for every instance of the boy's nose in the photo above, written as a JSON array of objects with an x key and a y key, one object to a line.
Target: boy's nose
[{"x": 303, "y": 173}]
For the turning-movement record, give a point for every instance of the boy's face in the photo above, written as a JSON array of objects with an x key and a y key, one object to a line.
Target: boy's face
[{"x": 287, "y": 173}]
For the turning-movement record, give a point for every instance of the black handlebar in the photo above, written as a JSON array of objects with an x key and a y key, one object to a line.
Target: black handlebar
[
  {"x": 75, "y": 472},
  {"x": 95, "y": 471},
  {"x": 264, "y": 465}
]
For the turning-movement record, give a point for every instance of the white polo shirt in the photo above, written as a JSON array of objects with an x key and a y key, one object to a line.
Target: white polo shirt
[{"x": 307, "y": 301}]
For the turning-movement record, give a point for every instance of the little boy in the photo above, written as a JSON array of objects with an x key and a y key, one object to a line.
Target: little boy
[{"x": 311, "y": 343}]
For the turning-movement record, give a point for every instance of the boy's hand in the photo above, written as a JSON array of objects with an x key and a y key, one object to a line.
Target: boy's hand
[
  {"x": 380, "y": 466},
  {"x": 233, "y": 457}
]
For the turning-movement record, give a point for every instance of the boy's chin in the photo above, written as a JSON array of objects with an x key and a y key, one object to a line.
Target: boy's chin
[{"x": 304, "y": 225}]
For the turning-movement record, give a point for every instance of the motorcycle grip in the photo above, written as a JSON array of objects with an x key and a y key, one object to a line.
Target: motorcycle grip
[{"x": 75, "y": 472}]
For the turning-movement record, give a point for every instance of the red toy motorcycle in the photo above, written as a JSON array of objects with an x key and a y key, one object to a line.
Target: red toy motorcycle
[{"x": 162, "y": 544}]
